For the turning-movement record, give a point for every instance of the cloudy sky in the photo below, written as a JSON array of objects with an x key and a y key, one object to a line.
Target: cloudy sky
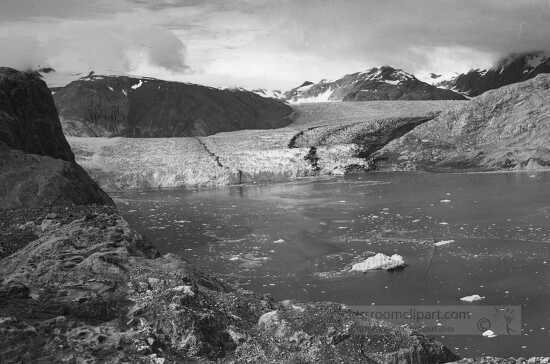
[{"x": 266, "y": 43}]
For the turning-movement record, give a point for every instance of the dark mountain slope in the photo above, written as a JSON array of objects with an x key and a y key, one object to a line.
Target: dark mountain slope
[
  {"x": 512, "y": 69},
  {"x": 144, "y": 107}
]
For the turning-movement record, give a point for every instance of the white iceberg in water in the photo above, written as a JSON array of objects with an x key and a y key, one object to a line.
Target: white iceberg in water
[
  {"x": 444, "y": 242},
  {"x": 489, "y": 333},
  {"x": 472, "y": 298},
  {"x": 379, "y": 261}
]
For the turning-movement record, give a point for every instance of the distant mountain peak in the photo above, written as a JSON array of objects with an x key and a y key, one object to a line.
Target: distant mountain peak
[
  {"x": 377, "y": 83},
  {"x": 515, "y": 67}
]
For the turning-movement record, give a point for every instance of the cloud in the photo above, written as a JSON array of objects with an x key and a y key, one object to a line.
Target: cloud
[
  {"x": 109, "y": 44},
  {"x": 390, "y": 31},
  {"x": 272, "y": 43},
  {"x": 14, "y": 10},
  {"x": 21, "y": 52}
]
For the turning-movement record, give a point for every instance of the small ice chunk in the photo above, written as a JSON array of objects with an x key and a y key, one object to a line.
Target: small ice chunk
[
  {"x": 489, "y": 333},
  {"x": 443, "y": 223},
  {"x": 444, "y": 242},
  {"x": 445, "y": 201},
  {"x": 472, "y": 298},
  {"x": 379, "y": 261},
  {"x": 279, "y": 241}
]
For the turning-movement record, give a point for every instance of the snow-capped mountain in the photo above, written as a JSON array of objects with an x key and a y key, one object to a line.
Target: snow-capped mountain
[
  {"x": 274, "y": 94},
  {"x": 383, "y": 83},
  {"x": 511, "y": 69}
]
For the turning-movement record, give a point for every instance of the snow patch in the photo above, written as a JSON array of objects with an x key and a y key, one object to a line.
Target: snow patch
[
  {"x": 393, "y": 82},
  {"x": 379, "y": 261},
  {"x": 137, "y": 85},
  {"x": 322, "y": 97},
  {"x": 274, "y": 94}
]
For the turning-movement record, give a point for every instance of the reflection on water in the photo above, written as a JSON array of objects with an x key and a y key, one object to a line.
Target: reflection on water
[{"x": 298, "y": 240}]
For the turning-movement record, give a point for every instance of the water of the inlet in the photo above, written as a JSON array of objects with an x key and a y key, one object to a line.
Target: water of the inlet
[{"x": 297, "y": 241}]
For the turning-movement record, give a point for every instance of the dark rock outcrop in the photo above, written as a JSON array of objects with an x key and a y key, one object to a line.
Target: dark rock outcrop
[
  {"x": 506, "y": 128},
  {"x": 511, "y": 69},
  {"x": 28, "y": 118},
  {"x": 31, "y": 180},
  {"x": 37, "y": 165},
  {"x": 144, "y": 107},
  {"x": 384, "y": 83}
]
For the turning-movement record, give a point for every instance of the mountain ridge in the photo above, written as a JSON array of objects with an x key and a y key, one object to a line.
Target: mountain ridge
[
  {"x": 99, "y": 105},
  {"x": 378, "y": 83},
  {"x": 516, "y": 67}
]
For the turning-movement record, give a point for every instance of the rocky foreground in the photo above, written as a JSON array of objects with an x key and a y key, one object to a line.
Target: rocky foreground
[{"x": 92, "y": 290}]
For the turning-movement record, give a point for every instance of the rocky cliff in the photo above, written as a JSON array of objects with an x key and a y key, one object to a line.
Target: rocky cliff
[
  {"x": 28, "y": 118},
  {"x": 37, "y": 165},
  {"x": 511, "y": 69},
  {"x": 384, "y": 83},
  {"x": 144, "y": 107},
  {"x": 506, "y": 128}
]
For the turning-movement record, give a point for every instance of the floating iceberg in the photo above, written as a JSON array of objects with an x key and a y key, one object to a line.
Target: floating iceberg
[
  {"x": 489, "y": 333},
  {"x": 472, "y": 298},
  {"x": 379, "y": 261},
  {"x": 444, "y": 242}
]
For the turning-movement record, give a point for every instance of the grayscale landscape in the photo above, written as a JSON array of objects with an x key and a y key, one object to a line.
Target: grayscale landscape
[{"x": 274, "y": 181}]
